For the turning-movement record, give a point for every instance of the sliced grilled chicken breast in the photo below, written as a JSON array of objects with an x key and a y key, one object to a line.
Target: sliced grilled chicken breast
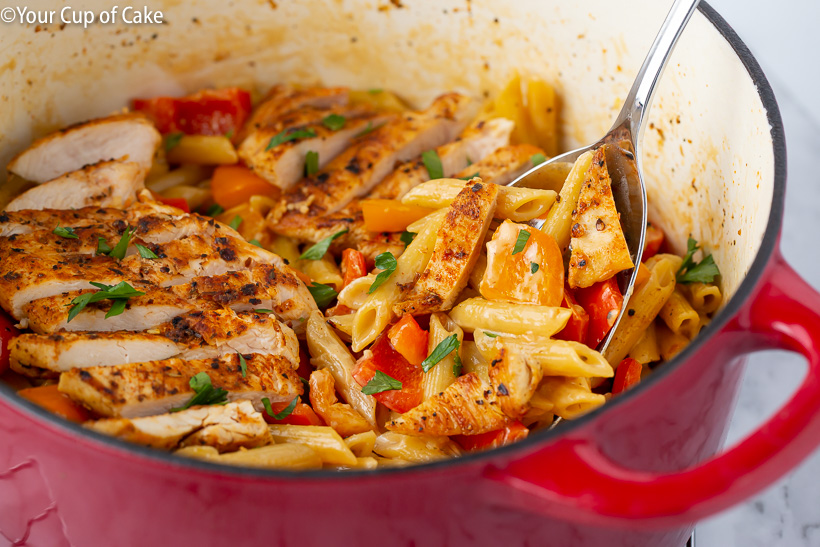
[
  {"x": 195, "y": 335},
  {"x": 356, "y": 171},
  {"x": 27, "y": 277},
  {"x": 104, "y": 184},
  {"x": 225, "y": 427},
  {"x": 155, "y": 387},
  {"x": 467, "y": 407},
  {"x": 458, "y": 244},
  {"x": 157, "y": 306},
  {"x": 180, "y": 260},
  {"x": 263, "y": 286},
  {"x": 474, "y": 143},
  {"x": 284, "y": 164},
  {"x": 27, "y": 221},
  {"x": 282, "y": 99},
  {"x": 504, "y": 165},
  {"x": 130, "y": 137}
]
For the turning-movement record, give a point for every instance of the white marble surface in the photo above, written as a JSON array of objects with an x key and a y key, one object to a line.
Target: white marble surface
[{"x": 784, "y": 38}]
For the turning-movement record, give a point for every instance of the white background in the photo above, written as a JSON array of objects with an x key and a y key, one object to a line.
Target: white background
[{"x": 784, "y": 36}]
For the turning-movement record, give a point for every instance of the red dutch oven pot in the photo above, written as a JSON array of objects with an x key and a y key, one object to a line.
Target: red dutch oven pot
[{"x": 639, "y": 471}]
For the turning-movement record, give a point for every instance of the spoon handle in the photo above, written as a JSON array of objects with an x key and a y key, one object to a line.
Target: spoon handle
[{"x": 637, "y": 102}]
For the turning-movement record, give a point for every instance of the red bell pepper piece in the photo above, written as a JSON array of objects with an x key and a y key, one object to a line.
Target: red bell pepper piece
[
  {"x": 627, "y": 375},
  {"x": 354, "y": 266},
  {"x": 652, "y": 242},
  {"x": 7, "y": 332},
  {"x": 578, "y": 324},
  {"x": 408, "y": 338},
  {"x": 302, "y": 415},
  {"x": 208, "y": 112},
  {"x": 603, "y": 302},
  {"x": 386, "y": 359},
  {"x": 512, "y": 432}
]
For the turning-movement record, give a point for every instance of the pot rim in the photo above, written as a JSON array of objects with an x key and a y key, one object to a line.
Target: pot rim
[{"x": 767, "y": 248}]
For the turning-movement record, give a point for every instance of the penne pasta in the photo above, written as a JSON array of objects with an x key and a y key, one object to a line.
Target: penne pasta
[
  {"x": 679, "y": 316},
  {"x": 367, "y": 462},
  {"x": 323, "y": 271},
  {"x": 480, "y": 267},
  {"x": 203, "y": 150},
  {"x": 323, "y": 440},
  {"x": 274, "y": 456},
  {"x": 285, "y": 247},
  {"x": 705, "y": 298},
  {"x": 443, "y": 373},
  {"x": 361, "y": 444},
  {"x": 506, "y": 318},
  {"x": 437, "y": 216},
  {"x": 327, "y": 351},
  {"x": 670, "y": 343},
  {"x": 377, "y": 311},
  {"x": 343, "y": 324},
  {"x": 473, "y": 360},
  {"x": 571, "y": 397},
  {"x": 644, "y": 305},
  {"x": 559, "y": 219},
  {"x": 646, "y": 349},
  {"x": 186, "y": 175},
  {"x": 562, "y": 358},
  {"x": 515, "y": 203},
  {"x": 355, "y": 294},
  {"x": 414, "y": 448}
]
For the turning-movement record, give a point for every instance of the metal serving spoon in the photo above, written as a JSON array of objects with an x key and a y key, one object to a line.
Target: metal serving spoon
[{"x": 624, "y": 165}]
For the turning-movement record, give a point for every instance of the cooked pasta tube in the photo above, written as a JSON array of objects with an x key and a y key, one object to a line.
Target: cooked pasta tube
[
  {"x": 506, "y": 318},
  {"x": 343, "y": 323},
  {"x": 515, "y": 203},
  {"x": 679, "y": 316},
  {"x": 187, "y": 175},
  {"x": 367, "y": 462},
  {"x": 274, "y": 456},
  {"x": 646, "y": 349},
  {"x": 559, "y": 219},
  {"x": 477, "y": 273},
  {"x": 327, "y": 351},
  {"x": 644, "y": 305},
  {"x": 414, "y": 448},
  {"x": 437, "y": 217},
  {"x": 443, "y": 373},
  {"x": 670, "y": 343},
  {"x": 562, "y": 358},
  {"x": 377, "y": 311},
  {"x": 571, "y": 397},
  {"x": 705, "y": 298},
  {"x": 355, "y": 294},
  {"x": 473, "y": 361},
  {"x": 361, "y": 444},
  {"x": 323, "y": 271},
  {"x": 286, "y": 247},
  {"x": 203, "y": 150},
  {"x": 192, "y": 195},
  {"x": 322, "y": 439}
]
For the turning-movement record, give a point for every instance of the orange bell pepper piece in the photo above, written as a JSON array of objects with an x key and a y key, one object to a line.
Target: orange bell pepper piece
[
  {"x": 232, "y": 185},
  {"x": 55, "y": 402},
  {"x": 390, "y": 215}
]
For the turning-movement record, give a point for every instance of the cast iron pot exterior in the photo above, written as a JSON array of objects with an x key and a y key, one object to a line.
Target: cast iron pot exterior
[{"x": 638, "y": 472}]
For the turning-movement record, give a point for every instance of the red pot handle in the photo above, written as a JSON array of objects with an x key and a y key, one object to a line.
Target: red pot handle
[{"x": 591, "y": 487}]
